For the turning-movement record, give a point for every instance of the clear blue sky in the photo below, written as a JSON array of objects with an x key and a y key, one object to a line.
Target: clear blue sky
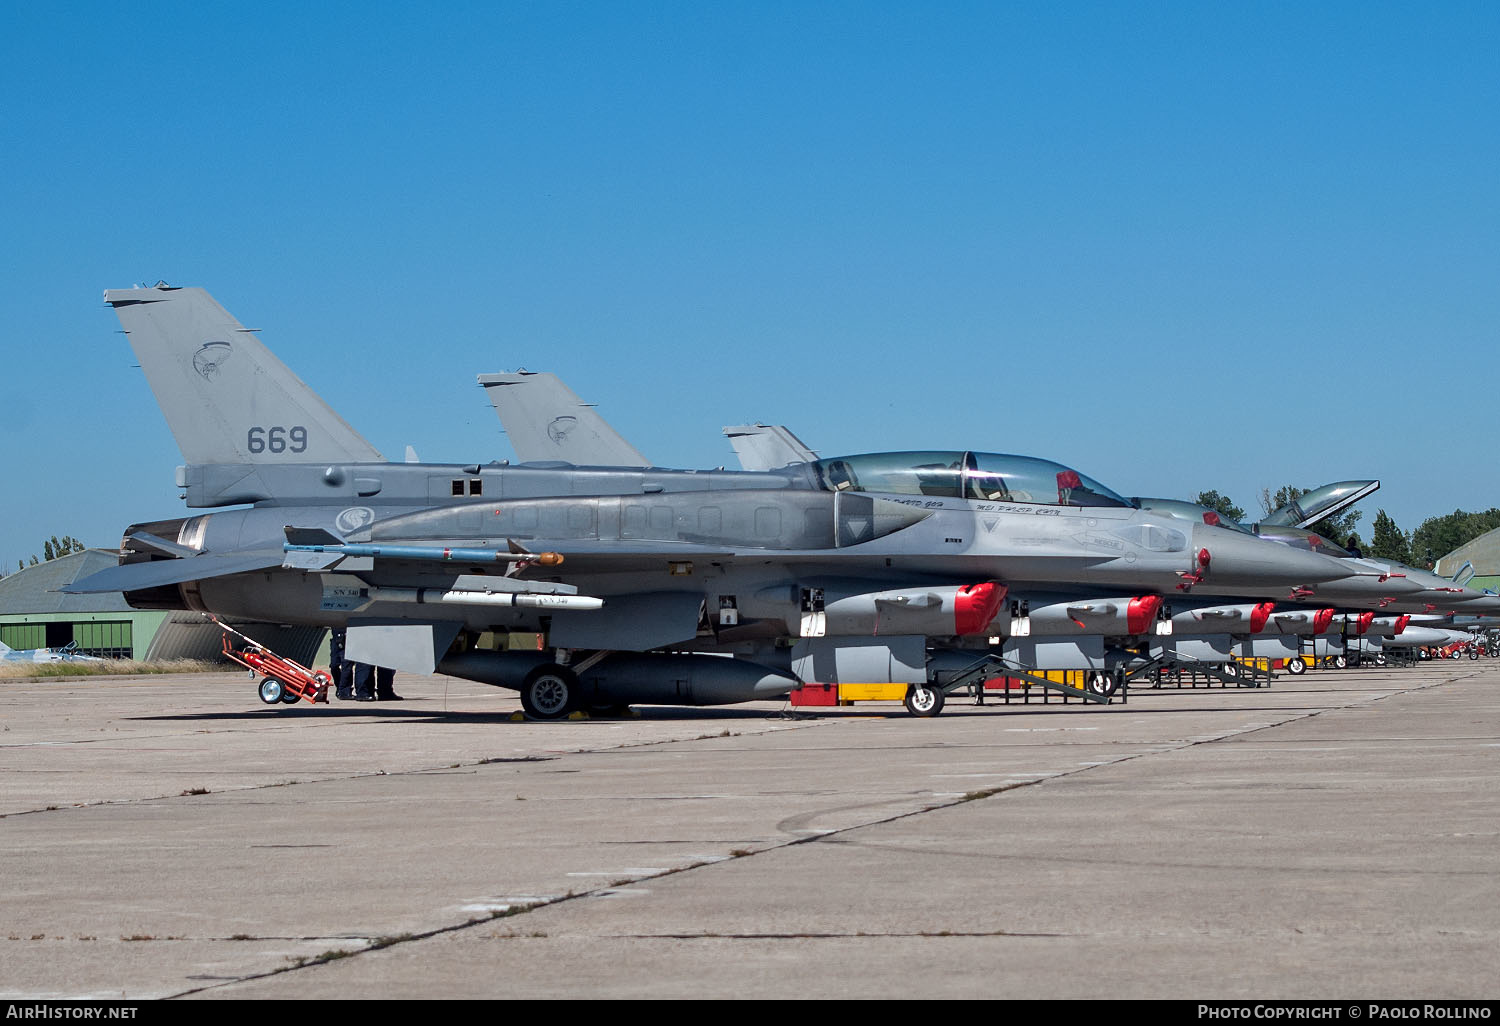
[{"x": 1177, "y": 245}]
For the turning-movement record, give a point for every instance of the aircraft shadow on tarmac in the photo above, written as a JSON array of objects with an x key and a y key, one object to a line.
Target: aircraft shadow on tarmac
[{"x": 664, "y": 713}]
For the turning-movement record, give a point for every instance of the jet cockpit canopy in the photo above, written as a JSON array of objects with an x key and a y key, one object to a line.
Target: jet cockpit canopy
[
  {"x": 1310, "y": 507},
  {"x": 983, "y": 476},
  {"x": 1299, "y": 538},
  {"x": 1190, "y": 511}
]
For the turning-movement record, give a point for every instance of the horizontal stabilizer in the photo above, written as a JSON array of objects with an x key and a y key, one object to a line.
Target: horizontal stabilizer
[{"x": 155, "y": 574}]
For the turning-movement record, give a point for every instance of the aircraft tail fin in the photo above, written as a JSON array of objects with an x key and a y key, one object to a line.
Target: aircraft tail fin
[
  {"x": 226, "y": 397},
  {"x": 545, "y": 420},
  {"x": 767, "y": 446}
]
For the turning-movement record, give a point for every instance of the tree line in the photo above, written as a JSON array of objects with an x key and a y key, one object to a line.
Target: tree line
[{"x": 53, "y": 548}]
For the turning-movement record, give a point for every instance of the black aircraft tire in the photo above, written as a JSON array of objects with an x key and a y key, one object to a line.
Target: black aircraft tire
[
  {"x": 1101, "y": 682},
  {"x": 1296, "y": 666},
  {"x": 1340, "y": 662},
  {"x": 549, "y": 692},
  {"x": 924, "y": 700},
  {"x": 270, "y": 690}
]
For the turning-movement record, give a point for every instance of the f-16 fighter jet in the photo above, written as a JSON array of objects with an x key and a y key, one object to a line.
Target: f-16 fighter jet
[{"x": 647, "y": 585}]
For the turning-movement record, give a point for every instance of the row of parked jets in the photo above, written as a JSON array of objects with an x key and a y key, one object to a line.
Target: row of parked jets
[{"x": 652, "y": 585}]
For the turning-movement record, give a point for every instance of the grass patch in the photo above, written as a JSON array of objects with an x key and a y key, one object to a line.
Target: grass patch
[
  {"x": 109, "y": 667},
  {"x": 331, "y": 955},
  {"x": 516, "y": 910}
]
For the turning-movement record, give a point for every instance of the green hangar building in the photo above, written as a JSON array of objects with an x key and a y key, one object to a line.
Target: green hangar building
[{"x": 35, "y": 614}]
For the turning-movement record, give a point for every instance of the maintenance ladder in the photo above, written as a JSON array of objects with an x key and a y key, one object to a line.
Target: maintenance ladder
[{"x": 973, "y": 678}]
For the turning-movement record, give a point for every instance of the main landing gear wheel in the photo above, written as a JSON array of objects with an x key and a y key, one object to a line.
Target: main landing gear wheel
[
  {"x": 924, "y": 700},
  {"x": 549, "y": 692},
  {"x": 271, "y": 691},
  {"x": 1296, "y": 666},
  {"x": 1101, "y": 682}
]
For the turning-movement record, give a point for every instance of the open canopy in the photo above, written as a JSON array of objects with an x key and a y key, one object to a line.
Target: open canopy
[{"x": 1310, "y": 507}]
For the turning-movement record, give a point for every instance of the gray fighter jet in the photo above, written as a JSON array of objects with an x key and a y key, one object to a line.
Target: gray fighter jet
[
  {"x": 648, "y": 585},
  {"x": 1057, "y": 631},
  {"x": 1371, "y": 584},
  {"x": 67, "y": 654}
]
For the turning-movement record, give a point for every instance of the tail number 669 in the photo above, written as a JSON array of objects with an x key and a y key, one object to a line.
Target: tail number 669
[{"x": 276, "y": 439}]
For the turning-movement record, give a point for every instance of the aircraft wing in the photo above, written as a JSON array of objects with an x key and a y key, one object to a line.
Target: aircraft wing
[
  {"x": 545, "y": 420},
  {"x": 156, "y": 573}
]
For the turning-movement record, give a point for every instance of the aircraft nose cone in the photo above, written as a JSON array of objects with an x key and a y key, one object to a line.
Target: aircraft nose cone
[{"x": 1242, "y": 560}]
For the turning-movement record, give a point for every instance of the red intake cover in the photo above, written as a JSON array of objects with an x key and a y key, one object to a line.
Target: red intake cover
[
  {"x": 1402, "y": 621},
  {"x": 975, "y": 606},
  {"x": 1259, "y": 615},
  {"x": 1142, "y": 612},
  {"x": 1365, "y": 619},
  {"x": 1321, "y": 619}
]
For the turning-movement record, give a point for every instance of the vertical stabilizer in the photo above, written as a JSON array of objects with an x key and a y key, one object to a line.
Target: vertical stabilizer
[
  {"x": 545, "y": 420},
  {"x": 226, "y": 397},
  {"x": 767, "y": 446}
]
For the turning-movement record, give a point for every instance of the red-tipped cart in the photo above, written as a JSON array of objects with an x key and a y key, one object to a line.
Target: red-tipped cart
[{"x": 282, "y": 680}]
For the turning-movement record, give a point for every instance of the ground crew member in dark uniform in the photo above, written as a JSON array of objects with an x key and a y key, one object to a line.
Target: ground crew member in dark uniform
[
  {"x": 364, "y": 682},
  {"x": 337, "y": 667},
  {"x": 384, "y": 677}
]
